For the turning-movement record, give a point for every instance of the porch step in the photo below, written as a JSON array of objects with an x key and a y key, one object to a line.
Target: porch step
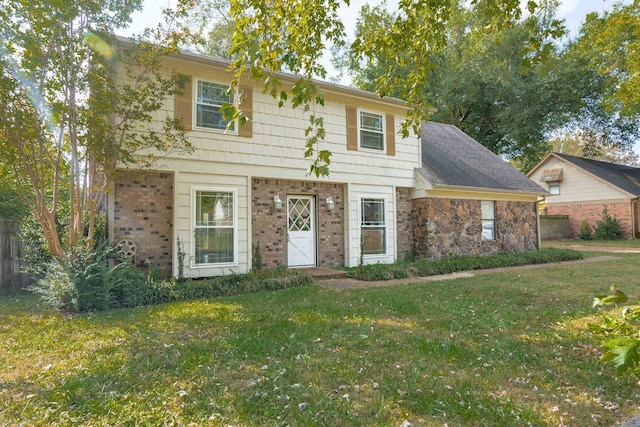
[{"x": 323, "y": 272}]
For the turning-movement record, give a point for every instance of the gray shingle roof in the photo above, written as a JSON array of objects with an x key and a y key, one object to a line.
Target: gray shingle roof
[
  {"x": 626, "y": 178},
  {"x": 451, "y": 157}
]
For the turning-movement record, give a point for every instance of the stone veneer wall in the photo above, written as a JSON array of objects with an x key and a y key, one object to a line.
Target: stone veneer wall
[
  {"x": 592, "y": 212},
  {"x": 454, "y": 226},
  {"x": 144, "y": 213},
  {"x": 269, "y": 224},
  {"x": 404, "y": 222}
]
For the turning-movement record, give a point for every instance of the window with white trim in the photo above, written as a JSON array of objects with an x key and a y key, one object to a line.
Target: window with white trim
[
  {"x": 554, "y": 188},
  {"x": 210, "y": 98},
  {"x": 371, "y": 131},
  {"x": 373, "y": 227},
  {"x": 488, "y": 220},
  {"x": 214, "y": 226}
]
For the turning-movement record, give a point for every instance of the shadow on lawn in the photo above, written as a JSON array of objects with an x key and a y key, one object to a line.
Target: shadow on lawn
[{"x": 430, "y": 354}]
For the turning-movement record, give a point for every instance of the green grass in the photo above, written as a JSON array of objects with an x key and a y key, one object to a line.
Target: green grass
[
  {"x": 508, "y": 349},
  {"x": 623, "y": 243}
]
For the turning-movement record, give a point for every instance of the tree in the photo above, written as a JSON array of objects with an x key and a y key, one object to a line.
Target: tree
[
  {"x": 612, "y": 42},
  {"x": 586, "y": 143},
  {"x": 486, "y": 83},
  {"x": 212, "y": 20},
  {"x": 495, "y": 88},
  {"x": 286, "y": 35},
  {"x": 66, "y": 127}
]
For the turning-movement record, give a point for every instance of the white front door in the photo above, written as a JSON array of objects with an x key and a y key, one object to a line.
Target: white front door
[{"x": 301, "y": 236}]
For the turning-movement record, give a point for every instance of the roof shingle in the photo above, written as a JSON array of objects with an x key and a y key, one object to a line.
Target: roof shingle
[{"x": 451, "y": 157}]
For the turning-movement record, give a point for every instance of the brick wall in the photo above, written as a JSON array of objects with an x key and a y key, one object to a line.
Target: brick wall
[
  {"x": 404, "y": 223},
  {"x": 144, "y": 213},
  {"x": 269, "y": 225},
  {"x": 592, "y": 212},
  {"x": 453, "y": 226}
]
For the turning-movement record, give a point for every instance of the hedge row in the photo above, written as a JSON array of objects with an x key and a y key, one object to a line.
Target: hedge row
[{"x": 456, "y": 263}]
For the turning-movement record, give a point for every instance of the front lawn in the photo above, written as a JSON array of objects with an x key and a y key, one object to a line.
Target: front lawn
[
  {"x": 508, "y": 349},
  {"x": 571, "y": 244}
]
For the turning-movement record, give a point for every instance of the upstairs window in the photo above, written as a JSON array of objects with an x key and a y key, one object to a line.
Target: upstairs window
[
  {"x": 488, "y": 220},
  {"x": 210, "y": 97},
  {"x": 371, "y": 131}
]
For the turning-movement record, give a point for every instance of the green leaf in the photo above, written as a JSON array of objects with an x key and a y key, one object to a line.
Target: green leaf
[{"x": 624, "y": 353}]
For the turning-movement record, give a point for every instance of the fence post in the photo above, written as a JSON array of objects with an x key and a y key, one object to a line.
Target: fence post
[{"x": 12, "y": 281}]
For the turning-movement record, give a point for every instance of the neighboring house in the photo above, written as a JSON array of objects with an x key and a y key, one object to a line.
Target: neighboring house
[
  {"x": 582, "y": 188},
  {"x": 245, "y": 191},
  {"x": 468, "y": 200}
]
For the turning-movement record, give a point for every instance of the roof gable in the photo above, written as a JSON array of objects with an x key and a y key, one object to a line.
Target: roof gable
[
  {"x": 623, "y": 177},
  {"x": 450, "y": 157}
]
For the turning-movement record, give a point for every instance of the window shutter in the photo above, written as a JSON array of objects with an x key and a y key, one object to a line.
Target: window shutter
[
  {"x": 391, "y": 135},
  {"x": 352, "y": 128},
  {"x": 183, "y": 105},
  {"x": 246, "y": 105}
]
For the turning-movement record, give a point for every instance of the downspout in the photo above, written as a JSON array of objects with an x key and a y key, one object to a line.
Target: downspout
[
  {"x": 538, "y": 223},
  {"x": 635, "y": 213},
  {"x": 250, "y": 223},
  {"x": 395, "y": 209}
]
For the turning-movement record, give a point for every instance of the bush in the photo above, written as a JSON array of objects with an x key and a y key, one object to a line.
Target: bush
[
  {"x": 90, "y": 283},
  {"x": 608, "y": 228},
  {"x": 452, "y": 264},
  {"x": 37, "y": 261},
  {"x": 585, "y": 231},
  {"x": 56, "y": 288}
]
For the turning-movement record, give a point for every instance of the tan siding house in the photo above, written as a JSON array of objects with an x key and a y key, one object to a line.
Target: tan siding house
[
  {"x": 582, "y": 188},
  {"x": 245, "y": 190}
]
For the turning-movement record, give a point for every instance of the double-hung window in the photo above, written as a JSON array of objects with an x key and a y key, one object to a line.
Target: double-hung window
[
  {"x": 373, "y": 227},
  {"x": 210, "y": 98},
  {"x": 371, "y": 131},
  {"x": 488, "y": 220},
  {"x": 215, "y": 226}
]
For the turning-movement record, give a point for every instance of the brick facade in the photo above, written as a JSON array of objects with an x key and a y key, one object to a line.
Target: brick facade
[
  {"x": 592, "y": 212},
  {"x": 442, "y": 227},
  {"x": 404, "y": 222},
  {"x": 269, "y": 225},
  {"x": 144, "y": 213}
]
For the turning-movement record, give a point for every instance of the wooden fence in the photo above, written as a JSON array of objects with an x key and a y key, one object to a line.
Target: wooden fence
[{"x": 12, "y": 281}]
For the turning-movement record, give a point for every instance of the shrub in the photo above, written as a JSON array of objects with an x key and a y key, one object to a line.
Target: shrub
[
  {"x": 37, "y": 261},
  {"x": 56, "y": 288},
  {"x": 608, "y": 228},
  {"x": 585, "y": 231},
  {"x": 90, "y": 283},
  {"x": 455, "y": 263}
]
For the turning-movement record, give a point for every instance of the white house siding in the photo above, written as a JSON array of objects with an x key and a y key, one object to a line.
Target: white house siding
[
  {"x": 185, "y": 181},
  {"x": 576, "y": 185},
  {"x": 355, "y": 193}
]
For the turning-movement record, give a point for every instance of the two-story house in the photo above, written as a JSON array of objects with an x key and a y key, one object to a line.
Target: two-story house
[
  {"x": 243, "y": 194},
  {"x": 245, "y": 188}
]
